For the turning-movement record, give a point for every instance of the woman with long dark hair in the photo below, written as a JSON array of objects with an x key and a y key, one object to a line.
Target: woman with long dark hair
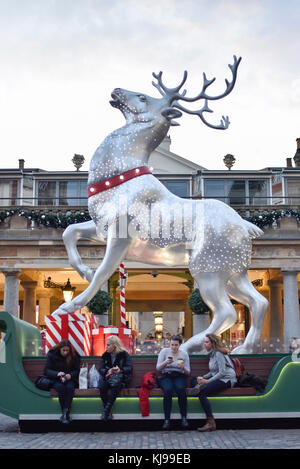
[
  {"x": 63, "y": 366},
  {"x": 221, "y": 376}
]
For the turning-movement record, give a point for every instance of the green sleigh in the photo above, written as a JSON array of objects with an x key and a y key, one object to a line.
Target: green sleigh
[{"x": 20, "y": 399}]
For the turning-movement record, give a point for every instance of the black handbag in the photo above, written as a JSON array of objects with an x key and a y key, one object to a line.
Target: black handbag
[
  {"x": 115, "y": 379},
  {"x": 44, "y": 383}
]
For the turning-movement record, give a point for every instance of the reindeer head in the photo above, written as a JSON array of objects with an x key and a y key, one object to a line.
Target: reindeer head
[{"x": 138, "y": 107}]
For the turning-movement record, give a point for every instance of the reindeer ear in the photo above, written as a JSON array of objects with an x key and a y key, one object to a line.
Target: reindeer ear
[{"x": 171, "y": 113}]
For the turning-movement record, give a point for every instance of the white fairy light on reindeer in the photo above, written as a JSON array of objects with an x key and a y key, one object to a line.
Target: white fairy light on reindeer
[{"x": 157, "y": 227}]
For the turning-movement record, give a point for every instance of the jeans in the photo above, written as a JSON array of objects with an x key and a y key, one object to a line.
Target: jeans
[
  {"x": 177, "y": 384},
  {"x": 211, "y": 388},
  {"x": 65, "y": 393}
]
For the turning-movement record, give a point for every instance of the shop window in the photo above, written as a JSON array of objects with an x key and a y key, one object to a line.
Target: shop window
[
  {"x": 72, "y": 192},
  {"x": 46, "y": 193},
  {"x": 258, "y": 192},
  {"x": 293, "y": 191},
  {"x": 27, "y": 190},
  {"x": 8, "y": 192},
  {"x": 215, "y": 189},
  {"x": 231, "y": 191},
  {"x": 236, "y": 192},
  {"x": 277, "y": 189},
  {"x": 179, "y": 188}
]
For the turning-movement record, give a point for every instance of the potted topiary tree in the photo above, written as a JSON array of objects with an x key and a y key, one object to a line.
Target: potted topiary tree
[
  {"x": 99, "y": 305},
  {"x": 200, "y": 311}
]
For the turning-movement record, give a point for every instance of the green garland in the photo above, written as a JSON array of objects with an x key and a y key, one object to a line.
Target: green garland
[
  {"x": 271, "y": 218},
  {"x": 49, "y": 220},
  {"x": 100, "y": 303},
  {"x": 196, "y": 303},
  {"x": 60, "y": 220}
]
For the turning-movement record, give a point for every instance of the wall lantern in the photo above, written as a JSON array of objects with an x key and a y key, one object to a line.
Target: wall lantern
[{"x": 67, "y": 289}]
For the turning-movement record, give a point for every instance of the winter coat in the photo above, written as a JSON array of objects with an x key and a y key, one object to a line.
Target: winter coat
[
  {"x": 122, "y": 360},
  {"x": 56, "y": 363},
  {"x": 148, "y": 382},
  {"x": 218, "y": 368}
]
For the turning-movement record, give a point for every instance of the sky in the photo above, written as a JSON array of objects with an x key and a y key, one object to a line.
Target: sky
[{"x": 60, "y": 60}]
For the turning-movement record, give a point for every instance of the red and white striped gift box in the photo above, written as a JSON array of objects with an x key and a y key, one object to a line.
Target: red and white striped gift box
[
  {"x": 75, "y": 327},
  {"x": 100, "y": 335}
]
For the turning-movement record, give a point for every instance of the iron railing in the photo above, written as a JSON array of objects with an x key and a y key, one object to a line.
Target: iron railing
[{"x": 236, "y": 201}]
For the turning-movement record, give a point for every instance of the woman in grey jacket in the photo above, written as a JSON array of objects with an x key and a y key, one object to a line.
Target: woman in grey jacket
[{"x": 221, "y": 376}]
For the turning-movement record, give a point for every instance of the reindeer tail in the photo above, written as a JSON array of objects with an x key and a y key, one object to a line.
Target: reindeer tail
[{"x": 253, "y": 230}]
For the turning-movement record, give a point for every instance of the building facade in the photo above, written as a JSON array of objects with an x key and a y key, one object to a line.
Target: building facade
[{"x": 37, "y": 205}]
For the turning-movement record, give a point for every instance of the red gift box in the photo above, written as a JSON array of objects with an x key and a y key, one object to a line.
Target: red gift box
[
  {"x": 100, "y": 335},
  {"x": 75, "y": 327}
]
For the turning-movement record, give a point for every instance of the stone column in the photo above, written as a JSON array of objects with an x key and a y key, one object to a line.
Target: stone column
[
  {"x": 11, "y": 290},
  {"x": 44, "y": 306},
  {"x": 29, "y": 302},
  {"x": 275, "y": 309},
  {"x": 291, "y": 306}
]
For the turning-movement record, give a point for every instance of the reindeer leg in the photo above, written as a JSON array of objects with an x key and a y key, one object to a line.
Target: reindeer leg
[
  {"x": 71, "y": 235},
  {"x": 241, "y": 289},
  {"x": 213, "y": 289},
  {"x": 115, "y": 252}
]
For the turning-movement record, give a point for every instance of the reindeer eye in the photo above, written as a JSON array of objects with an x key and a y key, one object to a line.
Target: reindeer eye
[{"x": 142, "y": 98}]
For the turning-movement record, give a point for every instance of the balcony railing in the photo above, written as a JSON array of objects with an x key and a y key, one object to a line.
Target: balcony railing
[{"x": 72, "y": 202}]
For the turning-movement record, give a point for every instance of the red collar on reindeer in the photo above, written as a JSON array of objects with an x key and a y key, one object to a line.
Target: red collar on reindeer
[{"x": 117, "y": 180}]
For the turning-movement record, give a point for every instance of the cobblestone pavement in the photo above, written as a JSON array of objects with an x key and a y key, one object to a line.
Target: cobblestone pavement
[{"x": 155, "y": 440}]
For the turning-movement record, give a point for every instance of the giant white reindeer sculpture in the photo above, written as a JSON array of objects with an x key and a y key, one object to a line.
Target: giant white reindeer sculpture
[{"x": 138, "y": 218}]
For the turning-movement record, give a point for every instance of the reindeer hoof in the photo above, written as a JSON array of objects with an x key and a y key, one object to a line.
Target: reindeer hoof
[
  {"x": 65, "y": 308},
  {"x": 240, "y": 350},
  {"x": 58, "y": 312}
]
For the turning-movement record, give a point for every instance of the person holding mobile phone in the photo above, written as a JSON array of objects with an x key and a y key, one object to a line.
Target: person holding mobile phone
[
  {"x": 174, "y": 365},
  {"x": 63, "y": 366},
  {"x": 115, "y": 373}
]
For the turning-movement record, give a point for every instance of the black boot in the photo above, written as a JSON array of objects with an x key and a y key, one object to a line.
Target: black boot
[
  {"x": 106, "y": 411},
  {"x": 184, "y": 423},
  {"x": 166, "y": 425},
  {"x": 65, "y": 418},
  {"x": 68, "y": 415}
]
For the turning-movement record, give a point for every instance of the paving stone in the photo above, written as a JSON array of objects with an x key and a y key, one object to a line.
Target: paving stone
[{"x": 10, "y": 438}]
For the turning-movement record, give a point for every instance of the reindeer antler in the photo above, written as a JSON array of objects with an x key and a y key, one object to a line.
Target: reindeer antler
[
  {"x": 224, "y": 124},
  {"x": 170, "y": 92},
  {"x": 175, "y": 96}
]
